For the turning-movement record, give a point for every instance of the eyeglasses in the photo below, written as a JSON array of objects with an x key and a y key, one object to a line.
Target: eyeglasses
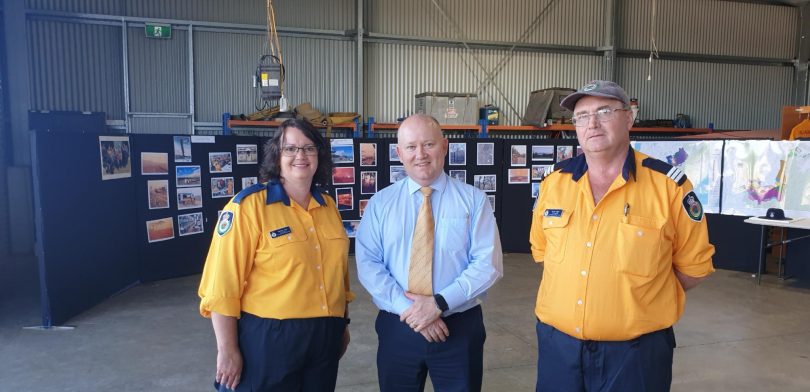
[
  {"x": 602, "y": 115},
  {"x": 292, "y": 151}
]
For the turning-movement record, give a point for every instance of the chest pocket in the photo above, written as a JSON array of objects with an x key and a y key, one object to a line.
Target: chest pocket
[
  {"x": 336, "y": 240},
  {"x": 556, "y": 231},
  {"x": 453, "y": 233},
  {"x": 638, "y": 245}
]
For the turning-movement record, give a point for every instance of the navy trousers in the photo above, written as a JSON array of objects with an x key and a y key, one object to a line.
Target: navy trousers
[
  {"x": 567, "y": 364},
  {"x": 405, "y": 358},
  {"x": 289, "y": 355}
]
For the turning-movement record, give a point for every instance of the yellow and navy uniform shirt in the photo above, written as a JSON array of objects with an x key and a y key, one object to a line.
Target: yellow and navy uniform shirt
[
  {"x": 608, "y": 269},
  {"x": 272, "y": 258}
]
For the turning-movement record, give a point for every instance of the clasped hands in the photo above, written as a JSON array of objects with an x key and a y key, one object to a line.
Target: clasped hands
[{"x": 423, "y": 317}]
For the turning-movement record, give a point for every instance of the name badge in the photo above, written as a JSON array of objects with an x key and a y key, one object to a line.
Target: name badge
[
  {"x": 282, "y": 231},
  {"x": 553, "y": 213}
]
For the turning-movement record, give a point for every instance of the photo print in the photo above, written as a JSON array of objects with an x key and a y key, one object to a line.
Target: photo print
[
  {"x": 539, "y": 172},
  {"x": 159, "y": 230},
  {"x": 458, "y": 154},
  {"x": 368, "y": 154},
  {"x": 221, "y": 187},
  {"x": 351, "y": 227},
  {"x": 182, "y": 148},
  {"x": 115, "y": 159},
  {"x": 368, "y": 182},
  {"x": 491, "y": 200},
  {"x": 564, "y": 152},
  {"x": 342, "y": 175},
  {"x": 158, "y": 194},
  {"x": 518, "y": 154},
  {"x": 345, "y": 199},
  {"x": 342, "y": 151},
  {"x": 460, "y": 175},
  {"x": 247, "y": 182},
  {"x": 543, "y": 153},
  {"x": 154, "y": 163},
  {"x": 486, "y": 154},
  {"x": 219, "y": 162},
  {"x": 188, "y": 198},
  {"x": 519, "y": 176},
  {"x": 535, "y": 189},
  {"x": 393, "y": 155},
  {"x": 247, "y": 154},
  {"x": 187, "y": 176},
  {"x": 397, "y": 173},
  {"x": 485, "y": 182},
  {"x": 189, "y": 224},
  {"x": 361, "y": 206}
]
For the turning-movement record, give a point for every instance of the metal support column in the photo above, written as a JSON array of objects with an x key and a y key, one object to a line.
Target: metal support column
[
  {"x": 801, "y": 79},
  {"x": 609, "y": 45},
  {"x": 358, "y": 81}
]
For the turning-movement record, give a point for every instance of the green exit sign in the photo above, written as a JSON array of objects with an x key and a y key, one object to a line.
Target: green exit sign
[{"x": 158, "y": 30}]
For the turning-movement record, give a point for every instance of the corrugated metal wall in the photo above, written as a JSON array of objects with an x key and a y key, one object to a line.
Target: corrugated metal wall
[
  {"x": 565, "y": 22},
  {"x": 158, "y": 72},
  {"x": 396, "y": 73},
  {"x": 5, "y": 140},
  {"x": 319, "y": 71},
  {"x": 76, "y": 66},
  {"x": 328, "y": 15},
  {"x": 710, "y": 27},
  {"x": 730, "y": 96},
  {"x": 162, "y": 125}
]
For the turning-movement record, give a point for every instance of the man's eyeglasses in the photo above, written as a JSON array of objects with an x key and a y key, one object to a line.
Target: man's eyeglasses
[
  {"x": 292, "y": 151},
  {"x": 602, "y": 115}
]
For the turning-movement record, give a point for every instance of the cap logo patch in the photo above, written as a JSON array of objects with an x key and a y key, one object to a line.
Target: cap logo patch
[
  {"x": 692, "y": 206},
  {"x": 590, "y": 87},
  {"x": 225, "y": 223}
]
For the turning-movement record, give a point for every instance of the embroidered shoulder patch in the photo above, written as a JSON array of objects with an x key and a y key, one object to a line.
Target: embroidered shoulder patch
[
  {"x": 692, "y": 206},
  {"x": 225, "y": 223}
]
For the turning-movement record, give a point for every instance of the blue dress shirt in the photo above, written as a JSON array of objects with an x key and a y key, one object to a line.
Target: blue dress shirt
[{"x": 467, "y": 256}]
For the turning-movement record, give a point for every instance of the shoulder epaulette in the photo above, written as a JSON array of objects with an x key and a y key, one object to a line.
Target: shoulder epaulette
[
  {"x": 674, "y": 173},
  {"x": 248, "y": 191}
]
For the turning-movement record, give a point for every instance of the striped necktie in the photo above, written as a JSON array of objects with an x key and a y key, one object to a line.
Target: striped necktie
[{"x": 420, "y": 271}]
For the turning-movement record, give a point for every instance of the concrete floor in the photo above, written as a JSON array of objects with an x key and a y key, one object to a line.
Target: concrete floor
[{"x": 734, "y": 336}]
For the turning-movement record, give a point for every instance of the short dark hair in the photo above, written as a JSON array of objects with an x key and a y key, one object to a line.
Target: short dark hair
[{"x": 271, "y": 164}]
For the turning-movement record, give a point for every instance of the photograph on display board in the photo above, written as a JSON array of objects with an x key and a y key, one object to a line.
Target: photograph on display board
[
  {"x": 460, "y": 175},
  {"x": 221, "y": 187},
  {"x": 342, "y": 151},
  {"x": 189, "y": 224},
  {"x": 579, "y": 151},
  {"x": 154, "y": 163},
  {"x": 486, "y": 154},
  {"x": 535, "y": 189},
  {"x": 393, "y": 155},
  {"x": 368, "y": 154},
  {"x": 342, "y": 175},
  {"x": 397, "y": 173},
  {"x": 247, "y": 182},
  {"x": 345, "y": 198},
  {"x": 182, "y": 148},
  {"x": 368, "y": 182},
  {"x": 361, "y": 206},
  {"x": 351, "y": 227},
  {"x": 458, "y": 153},
  {"x": 564, "y": 152},
  {"x": 187, "y": 176},
  {"x": 247, "y": 154},
  {"x": 158, "y": 194},
  {"x": 485, "y": 182},
  {"x": 115, "y": 159},
  {"x": 491, "y": 200},
  {"x": 518, "y": 155},
  {"x": 543, "y": 153},
  {"x": 539, "y": 172},
  {"x": 219, "y": 162},
  {"x": 188, "y": 198},
  {"x": 160, "y": 230},
  {"x": 519, "y": 176}
]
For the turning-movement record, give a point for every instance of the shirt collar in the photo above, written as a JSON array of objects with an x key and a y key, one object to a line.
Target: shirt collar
[
  {"x": 276, "y": 193},
  {"x": 438, "y": 184},
  {"x": 577, "y": 166}
]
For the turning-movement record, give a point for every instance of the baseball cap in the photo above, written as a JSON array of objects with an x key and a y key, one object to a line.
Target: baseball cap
[{"x": 596, "y": 88}]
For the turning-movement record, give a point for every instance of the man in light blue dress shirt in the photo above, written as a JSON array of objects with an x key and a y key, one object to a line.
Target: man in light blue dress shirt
[{"x": 441, "y": 334}]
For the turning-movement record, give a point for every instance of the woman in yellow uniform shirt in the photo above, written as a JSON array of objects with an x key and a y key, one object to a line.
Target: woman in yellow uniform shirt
[{"x": 276, "y": 283}]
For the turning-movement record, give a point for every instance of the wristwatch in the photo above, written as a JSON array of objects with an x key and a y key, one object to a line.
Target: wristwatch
[{"x": 441, "y": 303}]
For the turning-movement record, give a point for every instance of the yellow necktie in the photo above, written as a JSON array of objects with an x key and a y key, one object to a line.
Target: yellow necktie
[{"x": 420, "y": 271}]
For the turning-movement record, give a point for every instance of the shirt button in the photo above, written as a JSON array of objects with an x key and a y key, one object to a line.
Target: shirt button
[
  {"x": 317, "y": 247},
  {"x": 583, "y": 272},
  {"x": 289, "y": 237},
  {"x": 588, "y": 244},
  {"x": 311, "y": 229},
  {"x": 595, "y": 217},
  {"x": 639, "y": 233},
  {"x": 323, "y": 306},
  {"x": 321, "y": 287},
  {"x": 317, "y": 267},
  {"x": 579, "y": 302},
  {"x": 578, "y": 329}
]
